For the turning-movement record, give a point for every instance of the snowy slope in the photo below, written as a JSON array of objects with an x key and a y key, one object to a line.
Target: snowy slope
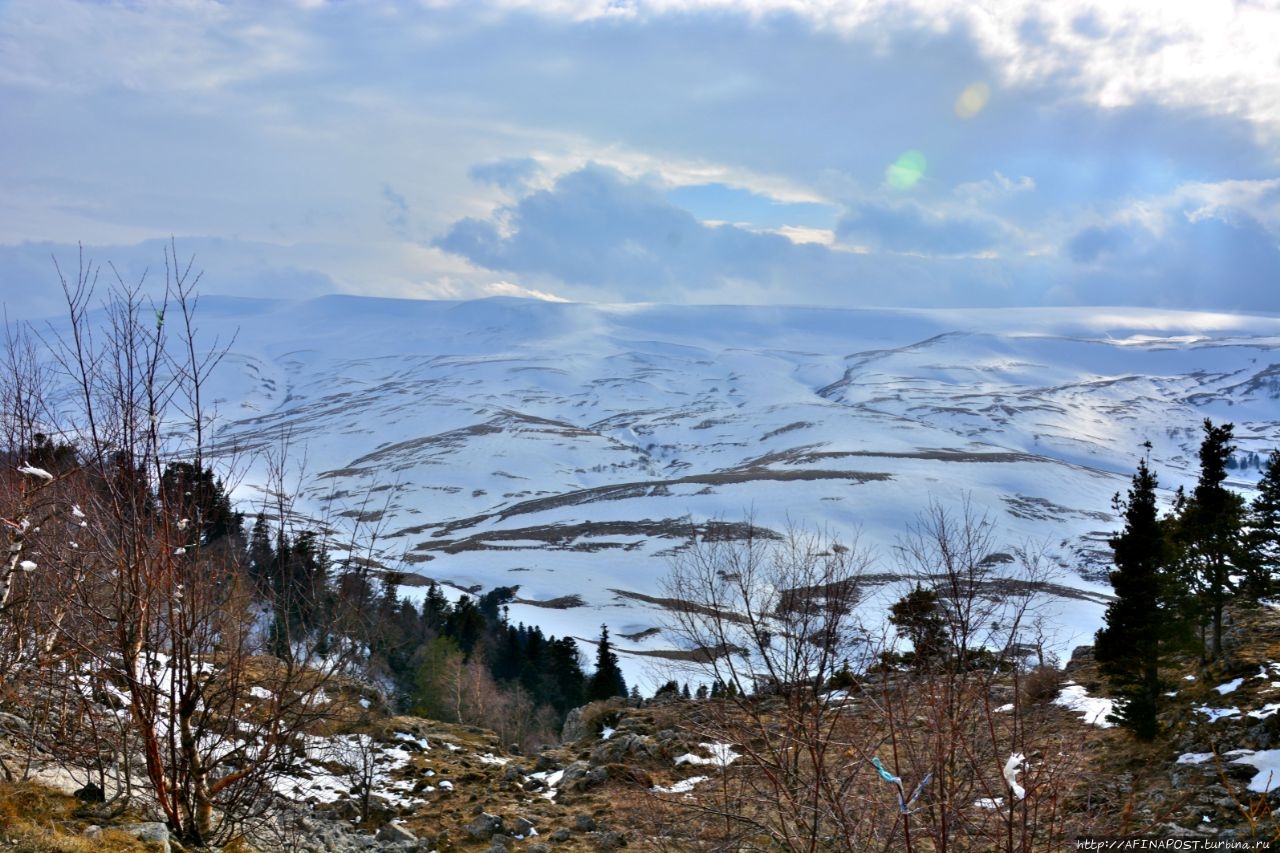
[{"x": 563, "y": 447}]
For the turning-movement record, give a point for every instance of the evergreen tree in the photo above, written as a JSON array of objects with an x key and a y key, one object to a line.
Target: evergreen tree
[
  {"x": 1209, "y": 527},
  {"x": 1263, "y": 535},
  {"x": 607, "y": 681},
  {"x": 200, "y": 501},
  {"x": 435, "y": 609},
  {"x": 918, "y": 616},
  {"x": 262, "y": 556},
  {"x": 1138, "y": 623},
  {"x": 568, "y": 681}
]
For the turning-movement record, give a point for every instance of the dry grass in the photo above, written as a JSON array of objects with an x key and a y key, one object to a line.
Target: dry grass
[{"x": 36, "y": 819}]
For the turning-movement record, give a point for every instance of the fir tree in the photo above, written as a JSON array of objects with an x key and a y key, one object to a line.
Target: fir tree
[
  {"x": 1263, "y": 536},
  {"x": 1210, "y": 533},
  {"x": 918, "y": 616},
  {"x": 1138, "y": 627},
  {"x": 607, "y": 681}
]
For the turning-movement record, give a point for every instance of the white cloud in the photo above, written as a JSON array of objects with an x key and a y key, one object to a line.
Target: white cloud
[
  {"x": 1215, "y": 55},
  {"x": 336, "y": 144}
]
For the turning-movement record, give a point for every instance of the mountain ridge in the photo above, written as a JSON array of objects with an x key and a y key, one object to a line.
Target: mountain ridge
[{"x": 553, "y": 445}]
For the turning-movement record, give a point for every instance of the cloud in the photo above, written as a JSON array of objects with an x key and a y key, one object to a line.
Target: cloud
[
  {"x": 612, "y": 237},
  {"x": 911, "y": 227},
  {"x": 1097, "y": 241},
  {"x": 1181, "y": 256},
  {"x": 396, "y": 210},
  {"x": 618, "y": 149},
  {"x": 230, "y": 268},
  {"x": 513, "y": 174}
]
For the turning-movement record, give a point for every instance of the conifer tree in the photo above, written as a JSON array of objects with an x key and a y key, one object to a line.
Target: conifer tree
[
  {"x": 1210, "y": 524},
  {"x": 1263, "y": 536},
  {"x": 1140, "y": 623},
  {"x": 918, "y": 617},
  {"x": 607, "y": 680}
]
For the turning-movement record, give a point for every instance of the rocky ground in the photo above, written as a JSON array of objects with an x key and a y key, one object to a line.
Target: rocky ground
[{"x": 431, "y": 786}]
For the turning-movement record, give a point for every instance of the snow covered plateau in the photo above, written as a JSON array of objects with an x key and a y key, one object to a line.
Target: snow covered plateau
[{"x": 566, "y": 448}]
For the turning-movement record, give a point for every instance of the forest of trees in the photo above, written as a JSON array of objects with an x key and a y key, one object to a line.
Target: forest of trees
[{"x": 1176, "y": 572}]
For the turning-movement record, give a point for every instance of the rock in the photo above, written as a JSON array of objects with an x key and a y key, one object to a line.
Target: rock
[
  {"x": 538, "y": 847},
  {"x": 560, "y": 835},
  {"x": 90, "y": 793},
  {"x": 574, "y": 728},
  {"x": 585, "y": 823},
  {"x": 380, "y": 809},
  {"x": 574, "y": 773},
  {"x": 622, "y": 746},
  {"x": 149, "y": 833},
  {"x": 610, "y": 840},
  {"x": 522, "y": 826},
  {"x": 344, "y": 809},
  {"x": 394, "y": 833},
  {"x": 483, "y": 827},
  {"x": 14, "y": 724},
  {"x": 638, "y": 725}
]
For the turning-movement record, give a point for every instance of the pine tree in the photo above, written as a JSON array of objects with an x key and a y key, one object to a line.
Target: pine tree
[
  {"x": 1263, "y": 535},
  {"x": 201, "y": 500},
  {"x": 1139, "y": 622},
  {"x": 607, "y": 681},
  {"x": 568, "y": 681},
  {"x": 918, "y": 616},
  {"x": 1210, "y": 526},
  {"x": 261, "y": 555}
]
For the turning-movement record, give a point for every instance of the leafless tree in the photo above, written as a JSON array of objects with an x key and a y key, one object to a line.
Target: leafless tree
[
  {"x": 999, "y": 772},
  {"x": 770, "y": 619},
  {"x": 152, "y": 618},
  {"x": 936, "y": 752}
]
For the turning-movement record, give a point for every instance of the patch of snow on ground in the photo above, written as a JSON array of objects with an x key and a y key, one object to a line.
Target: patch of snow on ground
[
  {"x": 722, "y": 755},
  {"x": 1215, "y": 714},
  {"x": 1229, "y": 687},
  {"x": 607, "y": 732},
  {"x": 1094, "y": 710},
  {"x": 1265, "y": 711},
  {"x": 421, "y": 742},
  {"x": 990, "y": 803},
  {"x": 684, "y": 786},
  {"x": 333, "y": 768},
  {"x": 490, "y": 758},
  {"x": 1267, "y": 763},
  {"x": 1194, "y": 757}
]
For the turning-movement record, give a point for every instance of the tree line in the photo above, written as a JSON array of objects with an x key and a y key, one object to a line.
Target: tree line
[{"x": 1176, "y": 572}]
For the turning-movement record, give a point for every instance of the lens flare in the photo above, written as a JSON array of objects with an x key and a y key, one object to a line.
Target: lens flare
[
  {"x": 972, "y": 100},
  {"x": 905, "y": 172}
]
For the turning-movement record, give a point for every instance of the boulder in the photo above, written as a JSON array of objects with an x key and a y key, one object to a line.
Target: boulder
[
  {"x": 394, "y": 833},
  {"x": 152, "y": 832},
  {"x": 483, "y": 827}
]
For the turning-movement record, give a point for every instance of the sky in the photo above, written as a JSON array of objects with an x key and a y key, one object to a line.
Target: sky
[{"x": 907, "y": 153}]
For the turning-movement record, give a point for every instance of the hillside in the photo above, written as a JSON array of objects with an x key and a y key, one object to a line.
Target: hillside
[
  {"x": 652, "y": 775},
  {"x": 568, "y": 449}
]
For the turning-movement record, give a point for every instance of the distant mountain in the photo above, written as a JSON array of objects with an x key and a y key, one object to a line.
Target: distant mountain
[{"x": 566, "y": 448}]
